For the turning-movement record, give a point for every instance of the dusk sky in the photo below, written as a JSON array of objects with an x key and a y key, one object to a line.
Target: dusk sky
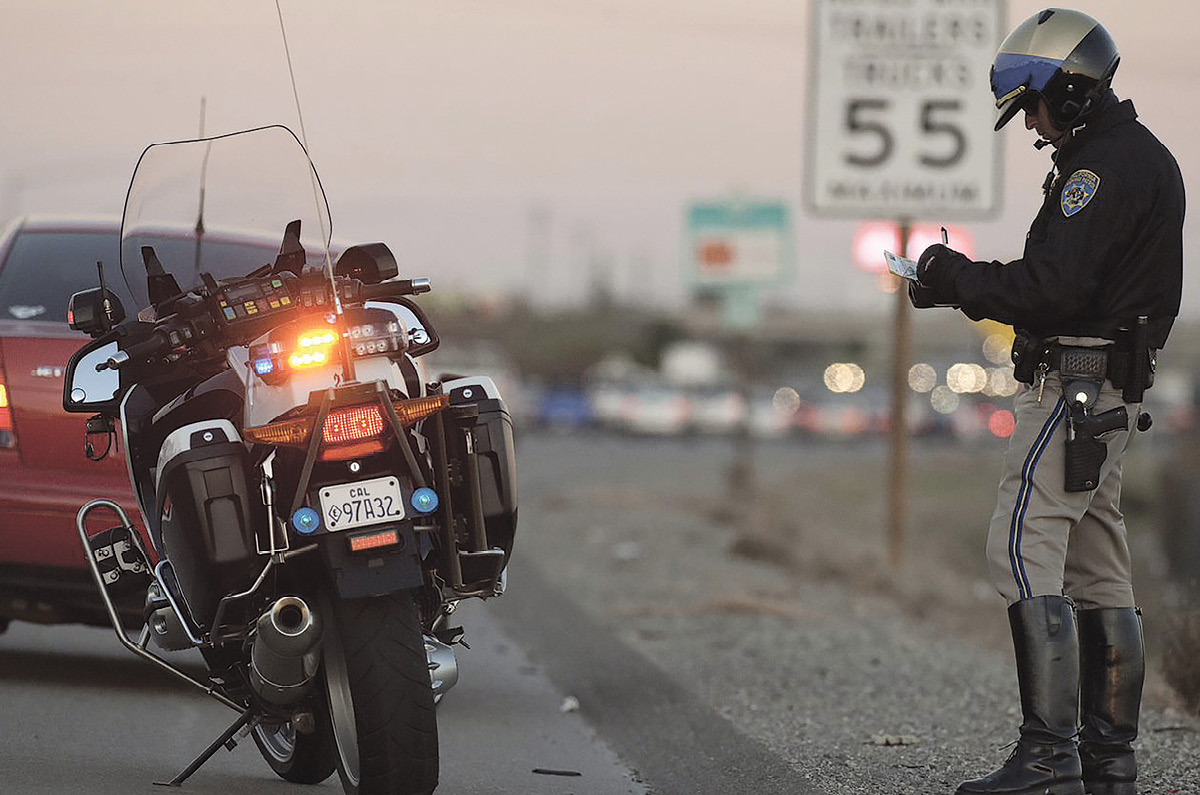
[{"x": 510, "y": 146}]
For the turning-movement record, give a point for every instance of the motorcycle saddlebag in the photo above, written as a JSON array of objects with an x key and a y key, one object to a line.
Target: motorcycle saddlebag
[
  {"x": 477, "y": 409},
  {"x": 208, "y": 511}
]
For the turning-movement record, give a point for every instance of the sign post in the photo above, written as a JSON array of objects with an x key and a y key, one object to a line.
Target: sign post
[
  {"x": 736, "y": 247},
  {"x": 900, "y": 120}
]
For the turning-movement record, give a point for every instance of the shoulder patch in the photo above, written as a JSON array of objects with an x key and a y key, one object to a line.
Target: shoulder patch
[{"x": 1079, "y": 190}]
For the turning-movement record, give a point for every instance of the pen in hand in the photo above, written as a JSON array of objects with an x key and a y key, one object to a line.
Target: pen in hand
[{"x": 945, "y": 237}]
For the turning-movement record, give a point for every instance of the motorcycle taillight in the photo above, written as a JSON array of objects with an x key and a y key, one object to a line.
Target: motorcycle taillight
[
  {"x": 353, "y": 424},
  {"x": 353, "y": 431},
  {"x": 348, "y": 431}
]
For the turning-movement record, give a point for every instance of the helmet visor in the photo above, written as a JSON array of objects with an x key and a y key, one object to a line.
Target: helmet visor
[
  {"x": 1017, "y": 80},
  {"x": 1019, "y": 99}
]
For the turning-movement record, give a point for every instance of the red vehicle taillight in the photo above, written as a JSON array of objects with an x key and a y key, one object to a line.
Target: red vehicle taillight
[{"x": 8, "y": 437}]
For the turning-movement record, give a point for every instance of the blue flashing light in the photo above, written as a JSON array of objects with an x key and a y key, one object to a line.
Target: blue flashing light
[
  {"x": 425, "y": 500},
  {"x": 264, "y": 366},
  {"x": 306, "y": 521}
]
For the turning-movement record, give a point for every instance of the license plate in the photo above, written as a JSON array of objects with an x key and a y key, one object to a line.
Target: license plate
[{"x": 366, "y": 502}]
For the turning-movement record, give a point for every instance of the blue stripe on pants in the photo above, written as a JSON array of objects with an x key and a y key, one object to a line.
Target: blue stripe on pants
[{"x": 1017, "y": 526}]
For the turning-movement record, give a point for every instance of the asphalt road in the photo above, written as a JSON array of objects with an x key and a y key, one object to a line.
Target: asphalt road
[{"x": 81, "y": 714}]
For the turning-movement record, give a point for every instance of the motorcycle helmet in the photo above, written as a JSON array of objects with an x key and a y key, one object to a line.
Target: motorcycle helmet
[{"x": 1062, "y": 56}]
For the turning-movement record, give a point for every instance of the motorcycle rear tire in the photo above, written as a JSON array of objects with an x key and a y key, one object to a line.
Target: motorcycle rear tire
[{"x": 380, "y": 698}]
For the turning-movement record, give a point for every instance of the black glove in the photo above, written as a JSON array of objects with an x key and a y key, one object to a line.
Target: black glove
[
  {"x": 921, "y": 297},
  {"x": 930, "y": 262},
  {"x": 931, "y": 287}
]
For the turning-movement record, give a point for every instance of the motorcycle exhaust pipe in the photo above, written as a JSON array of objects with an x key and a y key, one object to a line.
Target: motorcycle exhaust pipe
[{"x": 286, "y": 651}]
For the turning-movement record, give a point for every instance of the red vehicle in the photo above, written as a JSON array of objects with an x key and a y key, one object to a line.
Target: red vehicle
[{"x": 46, "y": 474}]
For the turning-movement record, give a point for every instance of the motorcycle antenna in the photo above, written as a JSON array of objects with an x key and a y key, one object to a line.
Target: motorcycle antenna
[
  {"x": 106, "y": 312},
  {"x": 347, "y": 360},
  {"x": 203, "y": 178},
  {"x": 337, "y": 301}
]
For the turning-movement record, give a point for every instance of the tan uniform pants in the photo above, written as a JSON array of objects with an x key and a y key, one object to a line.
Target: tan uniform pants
[{"x": 1044, "y": 540}]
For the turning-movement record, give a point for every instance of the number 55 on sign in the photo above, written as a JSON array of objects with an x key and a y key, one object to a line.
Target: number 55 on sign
[{"x": 900, "y": 113}]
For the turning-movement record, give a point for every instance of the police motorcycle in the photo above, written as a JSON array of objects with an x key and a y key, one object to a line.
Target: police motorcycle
[{"x": 315, "y": 509}]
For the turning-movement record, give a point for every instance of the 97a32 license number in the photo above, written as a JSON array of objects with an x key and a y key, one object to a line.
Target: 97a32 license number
[{"x": 365, "y": 502}]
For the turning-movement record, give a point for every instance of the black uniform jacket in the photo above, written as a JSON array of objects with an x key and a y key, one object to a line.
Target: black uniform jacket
[{"x": 1105, "y": 248}]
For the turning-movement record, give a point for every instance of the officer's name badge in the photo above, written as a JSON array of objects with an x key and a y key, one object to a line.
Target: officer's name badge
[{"x": 1078, "y": 191}]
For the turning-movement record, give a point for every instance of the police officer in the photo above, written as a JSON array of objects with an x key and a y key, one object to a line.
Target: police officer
[{"x": 1093, "y": 298}]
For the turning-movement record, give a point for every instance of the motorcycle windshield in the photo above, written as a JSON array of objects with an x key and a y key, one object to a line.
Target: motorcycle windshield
[{"x": 221, "y": 206}]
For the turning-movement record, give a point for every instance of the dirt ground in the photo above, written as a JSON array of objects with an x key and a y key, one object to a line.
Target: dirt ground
[
  {"x": 834, "y": 526},
  {"x": 780, "y": 607}
]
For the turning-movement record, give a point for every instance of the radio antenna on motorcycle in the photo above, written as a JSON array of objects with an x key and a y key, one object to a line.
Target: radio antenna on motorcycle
[
  {"x": 106, "y": 301},
  {"x": 347, "y": 360},
  {"x": 337, "y": 301},
  {"x": 203, "y": 177}
]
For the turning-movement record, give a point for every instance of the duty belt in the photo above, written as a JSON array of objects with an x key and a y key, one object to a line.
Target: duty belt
[{"x": 1119, "y": 365}]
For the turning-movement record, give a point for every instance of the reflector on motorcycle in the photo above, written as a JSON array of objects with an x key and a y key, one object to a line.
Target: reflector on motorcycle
[
  {"x": 374, "y": 540},
  {"x": 293, "y": 432},
  {"x": 414, "y": 410}
]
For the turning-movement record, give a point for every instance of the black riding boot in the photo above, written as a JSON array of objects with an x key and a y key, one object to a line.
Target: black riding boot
[
  {"x": 1046, "y": 759},
  {"x": 1112, "y": 668}
]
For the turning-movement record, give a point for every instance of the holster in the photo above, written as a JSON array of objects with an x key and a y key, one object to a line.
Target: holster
[{"x": 1083, "y": 372}]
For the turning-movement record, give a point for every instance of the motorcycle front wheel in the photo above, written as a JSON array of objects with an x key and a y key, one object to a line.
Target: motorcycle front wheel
[{"x": 380, "y": 699}]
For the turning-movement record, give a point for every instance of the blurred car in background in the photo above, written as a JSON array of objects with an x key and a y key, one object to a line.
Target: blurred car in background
[
  {"x": 562, "y": 408},
  {"x": 716, "y": 410},
  {"x": 655, "y": 410}
]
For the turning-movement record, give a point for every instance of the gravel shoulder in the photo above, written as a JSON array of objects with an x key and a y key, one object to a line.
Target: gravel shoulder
[{"x": 783, "y": 615}]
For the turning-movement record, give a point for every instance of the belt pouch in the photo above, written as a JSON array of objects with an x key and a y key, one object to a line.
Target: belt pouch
[{"x": 1027, "y": 353}]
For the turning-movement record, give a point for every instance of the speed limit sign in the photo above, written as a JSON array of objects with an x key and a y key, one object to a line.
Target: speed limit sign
[{"x": 900, "y": 109}]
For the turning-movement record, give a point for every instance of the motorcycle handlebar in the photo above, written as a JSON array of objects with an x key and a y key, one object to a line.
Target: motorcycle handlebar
[
  {"x": 395, "y": 288},
  {"x": 160, "y": 340},
  {"x": 156, "y": 343}
]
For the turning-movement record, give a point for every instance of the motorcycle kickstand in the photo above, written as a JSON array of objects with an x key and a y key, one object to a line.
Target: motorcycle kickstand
[{"x": 226, "y": 739}]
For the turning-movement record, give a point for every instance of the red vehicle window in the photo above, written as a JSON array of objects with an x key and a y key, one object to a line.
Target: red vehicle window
[{"x": 43, "y": 270}]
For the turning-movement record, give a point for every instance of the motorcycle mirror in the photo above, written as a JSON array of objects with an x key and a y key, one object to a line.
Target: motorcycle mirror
[
  {"x": 94, "y": 311},
  {"x": 370, "y": 263},
  {"x": 87, "y": 389}
]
